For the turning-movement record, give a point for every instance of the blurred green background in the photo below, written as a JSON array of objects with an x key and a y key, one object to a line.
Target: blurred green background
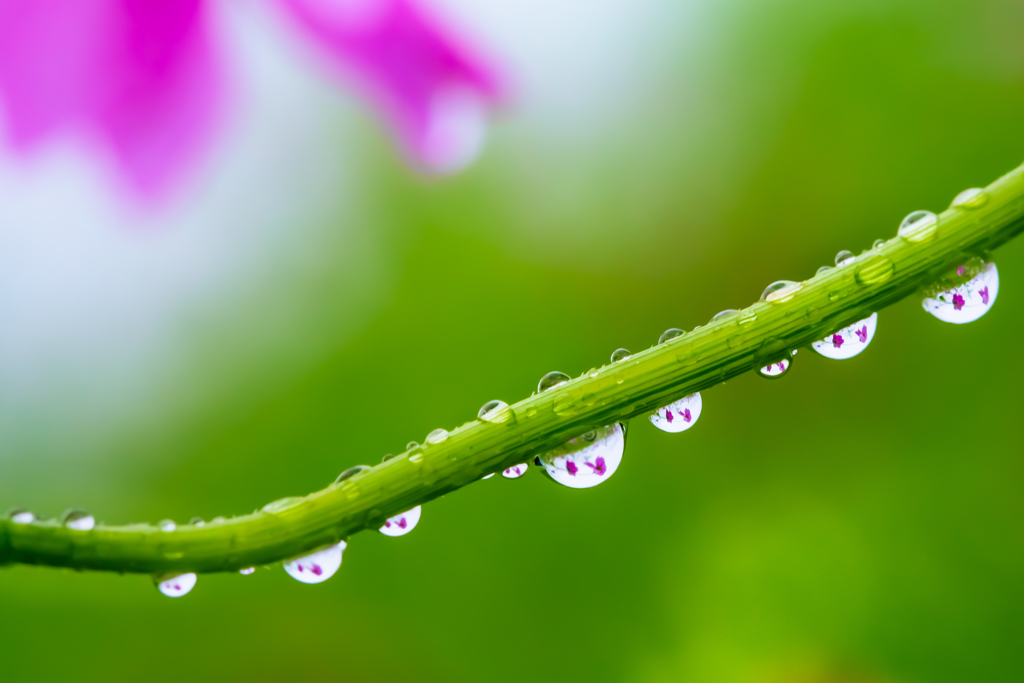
[{"x": 857, "y": 522}]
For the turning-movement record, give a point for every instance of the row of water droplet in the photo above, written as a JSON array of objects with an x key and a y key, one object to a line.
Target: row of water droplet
[{"x": 961, "y": 296}]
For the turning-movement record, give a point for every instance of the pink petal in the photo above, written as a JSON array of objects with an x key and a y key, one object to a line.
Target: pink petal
[
  {"x": 139, "y": 77},
  {"x": 433, "y": 92}
]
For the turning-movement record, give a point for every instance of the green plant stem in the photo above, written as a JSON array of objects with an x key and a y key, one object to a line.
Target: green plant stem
[{"x": 648, "y": 380}]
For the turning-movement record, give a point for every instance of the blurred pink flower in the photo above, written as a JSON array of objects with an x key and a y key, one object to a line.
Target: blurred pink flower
[{"x": 145, "y": 78}]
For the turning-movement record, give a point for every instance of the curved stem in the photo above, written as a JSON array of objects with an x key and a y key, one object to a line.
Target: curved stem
[{"x": 658, "y": 376}]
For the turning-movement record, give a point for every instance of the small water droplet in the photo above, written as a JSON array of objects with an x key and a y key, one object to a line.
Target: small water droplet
[
  {"x": 437, "y": 436},
  {"x": 776, "y": 369},
  {"x": 280, "y": 505},
  {"x": 317, "y": 566},
  {"x": 353, "y": 471},
  {"x": 919, "y": 226},
  {"x": 781, "y": 291},
  {"x": 400, "y": 525},
  {"x": 197, "y": 521},
  {"x": 844, "y": 257},
  {"x": 587, "y": 460},
  {"x": 670, "y": 333},
  {"x": 823, "y": 269},
  {"x": 247, "y": 571},
  {"x": 412, "y": 445},
  {"x": 874, "y": 269},
  {"x": 175, "y": 585},
  {"x": 22, "y": 517},
  {"x": 970, "y": 199},
  {"x": 487, "y": 476},
  {"x": 679, "y": 416},
  {"x": 849, "y": 341},
  {"x": 218, "y": 520},
  {"x": 515, "y": 471},
  {"x": 79, "y": 520},
  {"x": 387, "y": 457},
  {"x": 552, "y": 380},
  {"x": 877, "y": 243},
  {"x": 167, "y": 525},
  {"x": 965, "y": 296},
  {"x": 620, "y": 354},
  {"x": 495, "y": 412},
  {"x": 728, "y": 313}
]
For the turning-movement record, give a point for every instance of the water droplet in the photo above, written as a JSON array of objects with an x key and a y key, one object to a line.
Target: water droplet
[
  {"x": 844, "y": 257},
  {"x": 79, "y": 520},
  {"x": 670, "y": 333},
  {"x": 247, "y": 571},
  {"x": 353, "y": 471},
  {"x": 966, "y": 296},
  {"x": 281, "y": 504},
  {"x": 515, "y": 471},
  {"x": 495, "y": 412},
  {"x": 412, "y": 445},
  {"x": 437, "y": 436},
  {"x": 487, "y": 476},
  {"x": 318, "y": 566},
  {"x": 387, "y": 457},
  {"x": 729, "y": 312},
  {"x": 400, "y": 525},
  {"x": 197, "y": 521},
  {"x": 877, "y": 243},
  {"x": 620, "y": 354},
  {"x": 849, "y": 341},
  {"x": 776, "y": 369},
  {"x": 552, "y": 380},
  {"x": 823, "y": 269},
  {"x": 919, "y": 226},
  {"x": 175, "y": 585},
  {"x": 167, "y": 525},
  {"x": 587, "y": 460},
  {"x": 970, "y": 199},
  {"x": 221, "y": 520},
  {"x": 679, "y": 416},
  {"x": 781, "y": 291},
  {"x": 22, "y": 517},
  {"x": 874, "y": 269}
]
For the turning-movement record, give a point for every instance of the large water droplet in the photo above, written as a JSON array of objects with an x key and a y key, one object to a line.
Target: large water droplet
[
  {"x": 353, "y": 471},
  {"x": 777, "y": 369},
  {"x": 495, "y": 412},
  {"x": 197, "y": 521},
  {"x": 620, "y": 354},
  {"x": 175, "y": 585},
  {"x": 552, "y": 380},
  {"x": 874, "y": 269},
  {"x": 965, "y": 296},
  {"x": 670, "y": 333},
  {"x": 280, "y": 505},
  {"x": 400, "y": 525},
  {"x": 22, "y": 517},
  {"x": 587, "y": 460},
  {"x": 844, "y": 257},
  {"x": 79, "y": 520},
  {"x": 166, "y": 525},
  {"x": 919, "y": 226},
  {"x": 515, "y": 471},
  {"x": 781, "y": 291},
  {"x": 729, "y": 312},
  {"x": 970, "y": 199},
  {"x": 318, "y": 566},
  {"x": 679, "y": 416},
  {"x": 437, "y": 436},
  {"x": 247, "y": 571},
  {"x": 849, "y": 341}
]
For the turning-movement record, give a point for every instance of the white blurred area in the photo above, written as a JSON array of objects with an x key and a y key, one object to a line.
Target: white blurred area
[{"x": 105, "y": 309}]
